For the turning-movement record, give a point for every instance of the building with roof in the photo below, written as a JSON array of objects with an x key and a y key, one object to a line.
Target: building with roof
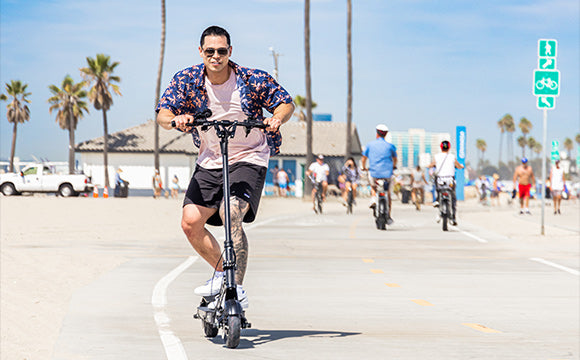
[{"x": 132, "y": 150}]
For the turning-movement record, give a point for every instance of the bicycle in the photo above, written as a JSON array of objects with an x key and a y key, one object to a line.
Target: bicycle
[
  {"x": 228, "y": 313},
  {"x": 317, "y": 195},
  {"x": 349, "y": 200},
  {"x": 444, "y": 191},
  {"x": 546, "y": 82},
  {"x": 381, "y": 209}
]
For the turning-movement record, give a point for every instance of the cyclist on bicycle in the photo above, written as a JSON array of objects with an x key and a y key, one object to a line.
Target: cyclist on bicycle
[
  {"x": 351, "y": 176},
  {"x": 445, "y": 164},
  {"x": 231, "y": 92},
  {"x": 382, "y": 157},
  {"x": 319, "y": 170}
]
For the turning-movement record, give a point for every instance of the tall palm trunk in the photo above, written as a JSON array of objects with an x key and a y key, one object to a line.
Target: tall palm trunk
[
  {"x": 501, "y": 137},
  {"x": 106, "y": 148},
  {"x": 71, "y": 145},
  {"x": 13, "y": 150},
  {"x": 309, "y": 156},
  {"x": 158, "y": 87},
  {"x": 349, "y": 79}
]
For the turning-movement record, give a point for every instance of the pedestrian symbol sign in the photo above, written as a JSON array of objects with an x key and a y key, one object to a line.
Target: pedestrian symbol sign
[
  {"x": 546, "y": 82},
  {"x": 547, "y": 48},
  {"x": 546, "y": 102}
]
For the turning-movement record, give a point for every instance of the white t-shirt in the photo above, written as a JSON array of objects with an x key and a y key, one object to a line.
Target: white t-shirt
[
  {"x": 224, "y": 103},
  {"x": 319, "y": 171},
  {"x": 557, "y": 183},
  {"x": 445, "y": 164}
]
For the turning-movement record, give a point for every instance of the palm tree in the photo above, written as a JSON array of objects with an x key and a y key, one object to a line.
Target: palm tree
[
  {"x": 482, "y": 147},
  {"x": 510, "y": 128},
  {"x": 68, "y": 101},
  {"x": 502, "y": 125},
  {"x": 309, "y": 155},
  {"x": 569, "y": 145},
  {"x": 17, "y": 110},
  {"x": 525, "y": 126},
  {"x": 158, "y": 87},
  {"x": 300, "y": 102},
  {"x": 522, "y": 142},
  {"x": 537, "y": 149},
  {"x": 99, "y": 72},
  {"x": 349, "y": 78},
  {"x": 531, "y": 143},
  {"x": 577, "y": 139}
]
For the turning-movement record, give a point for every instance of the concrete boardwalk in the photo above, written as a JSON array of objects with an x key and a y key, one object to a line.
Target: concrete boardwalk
[{"x": 331, "y": 286}]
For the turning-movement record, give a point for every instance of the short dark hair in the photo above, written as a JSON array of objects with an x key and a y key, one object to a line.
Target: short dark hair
[{"x": 214, "y": 31}]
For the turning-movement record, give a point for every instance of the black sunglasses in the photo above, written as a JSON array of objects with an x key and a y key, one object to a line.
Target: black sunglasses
[{"x": 220, "y": 51}]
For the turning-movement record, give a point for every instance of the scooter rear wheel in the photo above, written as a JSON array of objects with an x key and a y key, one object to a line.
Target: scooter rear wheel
[{"x": 232, "y": 331}]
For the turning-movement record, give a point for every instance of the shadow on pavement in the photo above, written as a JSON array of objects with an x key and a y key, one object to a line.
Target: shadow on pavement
[{"x": 253, "y": 337}]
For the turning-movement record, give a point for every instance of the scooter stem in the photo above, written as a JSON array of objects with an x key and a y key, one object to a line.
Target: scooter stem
[{"x": 229, "y": 256}]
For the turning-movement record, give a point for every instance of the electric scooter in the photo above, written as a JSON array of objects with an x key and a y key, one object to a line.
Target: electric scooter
[
  {"x": 227, "y": 313},
  {"x": 381, "y": 209}
]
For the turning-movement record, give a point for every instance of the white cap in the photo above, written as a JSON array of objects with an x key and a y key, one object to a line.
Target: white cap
[{"x": 382, "y": 127}]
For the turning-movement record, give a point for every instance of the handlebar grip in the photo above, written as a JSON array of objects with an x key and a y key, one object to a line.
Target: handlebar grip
[{"x": 173, "y": 123}]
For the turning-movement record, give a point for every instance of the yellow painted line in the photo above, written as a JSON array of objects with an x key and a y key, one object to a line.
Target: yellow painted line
[
  {"x": 392, "y": 285},
  {"x": 376, "y": 271},
  {"x": 368, "y": 260},
  {"x": 481, "y": 328},
  {"x": 353, "y": 228},
  {"x": 422, "y": 302}
]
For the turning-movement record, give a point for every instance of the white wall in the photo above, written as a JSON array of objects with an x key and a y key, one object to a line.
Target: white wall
[{"x": 139, "y": 169}]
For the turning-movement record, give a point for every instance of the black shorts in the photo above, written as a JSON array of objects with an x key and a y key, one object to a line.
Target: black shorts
[{"x": 246, "y": 183}]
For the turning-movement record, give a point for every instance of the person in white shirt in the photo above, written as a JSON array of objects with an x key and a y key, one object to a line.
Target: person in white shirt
[
  {"x": 445, "y": 164},
  {"x": 319, "y": 171},
  {"x": 557, "y": 183}
]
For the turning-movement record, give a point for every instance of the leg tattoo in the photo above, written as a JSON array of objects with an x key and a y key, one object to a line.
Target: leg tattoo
[{"x": 238, "y": 209}]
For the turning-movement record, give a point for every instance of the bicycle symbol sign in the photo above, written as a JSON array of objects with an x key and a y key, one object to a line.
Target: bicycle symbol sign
[{"x": 546, "y": 82}]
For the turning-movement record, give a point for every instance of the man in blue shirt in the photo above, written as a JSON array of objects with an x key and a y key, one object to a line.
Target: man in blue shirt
[{"x": 382, "y": 157}]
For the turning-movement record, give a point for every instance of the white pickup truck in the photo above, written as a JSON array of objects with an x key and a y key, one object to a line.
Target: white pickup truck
[{"x": 42, "y": 178}]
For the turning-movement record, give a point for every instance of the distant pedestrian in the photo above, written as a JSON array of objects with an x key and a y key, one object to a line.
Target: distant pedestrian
[
  {"x": 495, "y": 190},
  {"x": 157, "y": 185},
  {"x": 524, "y": 177},
  {"x": 274, "y": 172},
  {"x": 283, "y": 181},
  {"x": 558, "y": 184},
  {"x": 174, "y": 187}
]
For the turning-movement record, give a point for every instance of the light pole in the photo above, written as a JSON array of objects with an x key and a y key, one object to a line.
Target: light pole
[{"x": 275, "y": 56}]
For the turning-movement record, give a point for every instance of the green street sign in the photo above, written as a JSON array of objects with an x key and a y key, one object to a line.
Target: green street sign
[
  {"x": 547, "y": 48},
  {"x": 546, "y": 102},
  {"x": 547, "y": 63},
  {"x": 547, "y": 82},
  {"x": 555, "y": 145}
]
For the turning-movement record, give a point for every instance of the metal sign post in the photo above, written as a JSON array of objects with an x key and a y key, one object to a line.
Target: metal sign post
[{"x": 546, "y": 88}]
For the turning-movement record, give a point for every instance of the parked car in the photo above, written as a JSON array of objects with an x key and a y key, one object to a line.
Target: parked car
[{"x": 42, "y": 178}]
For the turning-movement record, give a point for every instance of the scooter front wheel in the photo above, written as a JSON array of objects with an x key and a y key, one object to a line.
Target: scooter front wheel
[
  {"x": 210, "y": 330},
  {"x": 232, "y": 331}
]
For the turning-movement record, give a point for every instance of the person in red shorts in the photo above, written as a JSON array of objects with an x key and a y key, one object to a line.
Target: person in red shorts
[{"x": 524, "y": 177}]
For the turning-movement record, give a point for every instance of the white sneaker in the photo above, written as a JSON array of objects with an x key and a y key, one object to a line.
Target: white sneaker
[
  {"x": 212, "y": 286},
  {"x": 242, "y": 298}
]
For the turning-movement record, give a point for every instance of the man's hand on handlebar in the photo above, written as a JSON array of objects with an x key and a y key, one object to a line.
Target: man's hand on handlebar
[
  {"x": 181, "y": 121},
  {"x": 273, "y": 123}
]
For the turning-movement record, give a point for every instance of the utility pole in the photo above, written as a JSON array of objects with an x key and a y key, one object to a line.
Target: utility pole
[{"x": 275, "y": 56}]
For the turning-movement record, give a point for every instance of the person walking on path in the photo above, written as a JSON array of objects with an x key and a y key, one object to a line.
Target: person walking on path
[
  {"x": 157, "y": 185},
  {"x": 275, "y": 171},
  {"x": 418, "y": 187},
  {"x": 174, "y": 187},
  {"x": 524, "y": 179},
  {"x": 495, "y": 190},
  {"x": 234, "y": 93},
  {"x": 283, "y": 181},
  {"x": 557, "y": 184}
]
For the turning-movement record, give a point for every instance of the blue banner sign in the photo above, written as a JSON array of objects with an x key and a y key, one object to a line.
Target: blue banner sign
[{"x": 461, "y": 133}]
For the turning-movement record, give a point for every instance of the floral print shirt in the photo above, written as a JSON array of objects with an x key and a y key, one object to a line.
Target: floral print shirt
[{"x": 186, "y": 94}]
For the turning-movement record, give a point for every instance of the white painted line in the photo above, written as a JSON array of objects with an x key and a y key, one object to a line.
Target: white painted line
[
  {"x": 470, "y": 235},
  {"x": 173, "y": 346},
  {"x": 557, "y": 266}
]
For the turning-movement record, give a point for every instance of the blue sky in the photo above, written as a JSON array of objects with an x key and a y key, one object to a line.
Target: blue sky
[{"x": 417, "y": 63}]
